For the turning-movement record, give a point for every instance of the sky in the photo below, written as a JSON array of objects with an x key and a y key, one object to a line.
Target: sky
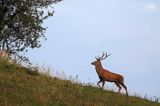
[{"x": 82, "y": 29}]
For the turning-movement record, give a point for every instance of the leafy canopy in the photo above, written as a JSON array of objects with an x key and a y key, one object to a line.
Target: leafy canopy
[{"x": 21, "y": 24}]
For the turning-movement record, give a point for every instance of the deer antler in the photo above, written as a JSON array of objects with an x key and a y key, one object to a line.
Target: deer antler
[{"x": 104, "y": 56}]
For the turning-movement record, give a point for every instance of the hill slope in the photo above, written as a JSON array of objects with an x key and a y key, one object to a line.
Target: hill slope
[{"x": 21, "y": 86}]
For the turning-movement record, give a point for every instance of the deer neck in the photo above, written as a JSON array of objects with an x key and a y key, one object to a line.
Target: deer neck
[{"x": 99, "y": 68}]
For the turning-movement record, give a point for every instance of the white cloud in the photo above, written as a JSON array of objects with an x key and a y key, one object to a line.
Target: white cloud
[{"x": 151, "y": 7}]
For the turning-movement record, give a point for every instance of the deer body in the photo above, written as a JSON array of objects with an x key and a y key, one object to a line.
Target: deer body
[{"x": 106, "y": 75}]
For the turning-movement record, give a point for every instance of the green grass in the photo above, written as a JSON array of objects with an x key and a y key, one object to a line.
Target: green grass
[{"x": 21, "y": 86}]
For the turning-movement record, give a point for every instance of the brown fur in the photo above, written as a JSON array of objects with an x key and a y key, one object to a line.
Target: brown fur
[{"x": 105, "y": 75}]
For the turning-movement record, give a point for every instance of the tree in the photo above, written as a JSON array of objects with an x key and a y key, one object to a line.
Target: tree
[{"x": 21, "y": 24}]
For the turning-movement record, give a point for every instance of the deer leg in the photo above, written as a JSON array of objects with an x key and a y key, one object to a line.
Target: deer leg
[
  {"x": 103, "y": 82},
  {"x": 124, "y": 88},
  {"x": 98, "y": 83},
  {"x": 117, "y": 84}
]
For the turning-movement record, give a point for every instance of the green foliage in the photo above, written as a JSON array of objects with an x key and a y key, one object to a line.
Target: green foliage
[
  {"x": 20, "y": 88},
  {"x": 21, "y": 24}
]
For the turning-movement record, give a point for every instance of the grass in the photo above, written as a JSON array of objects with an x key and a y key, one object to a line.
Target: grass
[{"x": 20, "y": 86}]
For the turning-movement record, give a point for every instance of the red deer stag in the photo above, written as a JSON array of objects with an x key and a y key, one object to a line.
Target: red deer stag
[{"x": 105, "y": 75}]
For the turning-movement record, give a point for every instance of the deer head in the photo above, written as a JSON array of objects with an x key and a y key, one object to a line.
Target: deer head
[{"x": 98, "y": 59}]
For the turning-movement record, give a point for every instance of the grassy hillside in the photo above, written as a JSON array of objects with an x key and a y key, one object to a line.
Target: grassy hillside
[{"x": 21, "y": 86}]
